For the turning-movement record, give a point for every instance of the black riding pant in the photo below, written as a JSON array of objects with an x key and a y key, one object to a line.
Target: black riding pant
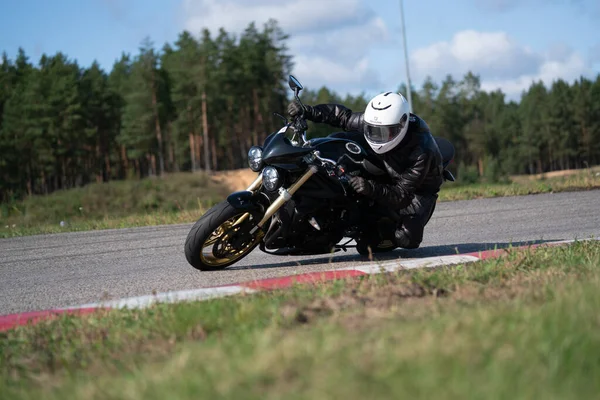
[{"x": 409, "y": 232}]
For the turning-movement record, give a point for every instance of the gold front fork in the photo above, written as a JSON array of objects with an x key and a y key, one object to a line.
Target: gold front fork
[
  {"x": 284, "y": 197},
  {"x": 256, "y": 184},
  {"x": 253, "y": 186}
]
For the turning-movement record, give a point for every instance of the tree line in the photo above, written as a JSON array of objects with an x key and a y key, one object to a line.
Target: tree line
[
  {"x": 201, "y": 102},
  {"x": 550, "y": 128},
  {"x": 198, "y": 103}
]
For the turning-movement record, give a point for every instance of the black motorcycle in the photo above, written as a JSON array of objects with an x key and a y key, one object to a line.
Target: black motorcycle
[{"x": 301, "y": 203}]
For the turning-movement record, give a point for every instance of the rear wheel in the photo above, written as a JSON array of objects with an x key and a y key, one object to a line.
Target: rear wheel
[{"x": 220, "y": 238}]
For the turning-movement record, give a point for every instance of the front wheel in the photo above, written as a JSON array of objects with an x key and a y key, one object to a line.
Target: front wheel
[{"x": 220, "y": 238}]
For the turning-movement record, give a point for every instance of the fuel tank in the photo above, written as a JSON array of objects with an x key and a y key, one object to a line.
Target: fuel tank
[{"x": 350, "y": 154}]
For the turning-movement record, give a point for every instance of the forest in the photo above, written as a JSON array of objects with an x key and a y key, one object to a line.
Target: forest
[{"x": 201, "y": 102}]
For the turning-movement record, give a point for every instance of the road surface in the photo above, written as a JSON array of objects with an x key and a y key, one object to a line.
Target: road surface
[{"x": 69, "y": 269}]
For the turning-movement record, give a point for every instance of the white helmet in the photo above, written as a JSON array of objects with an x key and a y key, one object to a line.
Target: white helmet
[{"x": 386, "y": 121}]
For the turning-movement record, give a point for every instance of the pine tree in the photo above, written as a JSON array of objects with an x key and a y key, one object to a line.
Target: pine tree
[
  {"x": 585, "y": 127},
  {"x": 182, "y": 65},
  {"x": 142, "y": 125},
  {"x": 593, "y": 147},
  {"x": 560, "y": 125},
  {"x": 100, "y": 114},
  {"x": 471, "y": 102},
  {"x": 61, "y": 125},
  {"x": 447, "y": 120},
  {"x": 533, "y": 114},
  {"x": 118, "y": 85},
  {"x": 7, "y": 82}
]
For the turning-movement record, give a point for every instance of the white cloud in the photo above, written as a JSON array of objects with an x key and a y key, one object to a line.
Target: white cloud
[
  {"x": 347, "y": 43},
  {"x": 324, "y": 71},
  {"x": 490, "y": 53},
  {"x": 500, "y": 61},
  {"x": 328, "y": 39},
  {"x": 568, "y": 69},
  {"x": 293, "y": 15}
]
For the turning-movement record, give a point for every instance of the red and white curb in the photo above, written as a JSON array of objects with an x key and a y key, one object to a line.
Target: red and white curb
[{"x": 12, "y": 320}]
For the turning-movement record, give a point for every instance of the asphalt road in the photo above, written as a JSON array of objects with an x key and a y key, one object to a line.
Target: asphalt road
[{"x": 48, "y": 271}]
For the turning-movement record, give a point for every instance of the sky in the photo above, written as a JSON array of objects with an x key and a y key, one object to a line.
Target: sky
[{"x": 350, "y": 46}]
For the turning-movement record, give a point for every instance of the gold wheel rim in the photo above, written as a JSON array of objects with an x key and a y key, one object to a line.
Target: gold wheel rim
[{"x": 230, "y": 255}]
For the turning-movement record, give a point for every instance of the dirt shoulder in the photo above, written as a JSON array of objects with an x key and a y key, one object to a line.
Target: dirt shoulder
[{"x": 237, "y": 179}]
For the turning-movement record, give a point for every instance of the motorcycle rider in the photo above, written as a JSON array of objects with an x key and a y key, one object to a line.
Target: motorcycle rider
[{"x": 409, "y": 152}]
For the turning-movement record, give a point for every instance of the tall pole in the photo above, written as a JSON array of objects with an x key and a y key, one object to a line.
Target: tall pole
[{"x": 408, "y": 90}]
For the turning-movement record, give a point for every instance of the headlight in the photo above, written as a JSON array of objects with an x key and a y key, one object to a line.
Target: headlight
[
  {"x": 255, "y": 158},
  {"x": 270, "y": 178}
]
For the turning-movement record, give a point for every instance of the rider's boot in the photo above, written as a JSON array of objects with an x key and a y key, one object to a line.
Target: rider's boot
[{"x": 403, "y": 239}]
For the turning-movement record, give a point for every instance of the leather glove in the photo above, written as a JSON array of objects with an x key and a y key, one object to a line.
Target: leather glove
[
  {"x": 361, "y": 186},
  {"x": 294, "y": 109}
]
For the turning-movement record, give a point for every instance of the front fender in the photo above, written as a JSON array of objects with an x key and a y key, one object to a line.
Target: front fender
[{"x": 244, "y": 200}]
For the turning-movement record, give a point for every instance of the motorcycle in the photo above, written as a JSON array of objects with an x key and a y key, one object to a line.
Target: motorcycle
[{"x": 301, "y": 202}]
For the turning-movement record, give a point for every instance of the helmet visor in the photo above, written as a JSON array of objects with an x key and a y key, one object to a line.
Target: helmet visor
[{"x": 384, "y": 133}]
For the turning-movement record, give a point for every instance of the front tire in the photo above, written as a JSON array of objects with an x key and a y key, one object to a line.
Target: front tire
[{"x": 216, "y": 241}]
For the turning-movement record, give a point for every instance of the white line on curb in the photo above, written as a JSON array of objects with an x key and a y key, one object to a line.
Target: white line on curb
[
  {"x": 428, "y": 262},
  {"x": 169, "y": 297}
]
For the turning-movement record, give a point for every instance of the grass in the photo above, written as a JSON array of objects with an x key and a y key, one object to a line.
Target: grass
[
  {"x": 524, "y": 326},
  {"x": 176, "y": 198},
  {"x": 183, "y": 197},
  {"x": 522, "y": 185}
]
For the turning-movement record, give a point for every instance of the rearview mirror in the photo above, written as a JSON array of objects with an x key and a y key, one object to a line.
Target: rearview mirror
[{"x": 295, "y": 85}]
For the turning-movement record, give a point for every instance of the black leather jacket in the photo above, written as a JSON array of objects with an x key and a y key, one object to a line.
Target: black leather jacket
[{"x": 415, "y": 165}]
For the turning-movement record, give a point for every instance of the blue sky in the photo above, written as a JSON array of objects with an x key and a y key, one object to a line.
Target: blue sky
[{"x": 349, "y": 45}]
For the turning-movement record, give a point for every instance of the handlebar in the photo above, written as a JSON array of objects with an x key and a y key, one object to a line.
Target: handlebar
[
  {"x": 338, "y": 170},
  {"x": 299, "y": 126},
  {"x": 325, "y": 160}
]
